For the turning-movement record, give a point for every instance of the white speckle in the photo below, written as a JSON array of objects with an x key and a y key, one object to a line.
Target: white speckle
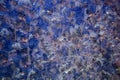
[
  {"x": 102, "y": 32},
  {"x": 93, "y": 34},
  {"x": 77, "y": 3},
  {"x": 30, "y": 36},
  {"x": 76, "y": 26},
  {"x": 4, "y": 32},
  {"x": 16, "y": 46},
  {"x": 63, "y": 10},
  {"x": 24, "y": 1},
  {"x": 72, "y": 30},
  {"x": 61, "y": 38},
  {"x": 84, "y": 43},
  {"x": 118, "y": 46}
]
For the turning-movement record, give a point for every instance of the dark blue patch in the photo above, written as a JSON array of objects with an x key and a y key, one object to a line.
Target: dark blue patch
[
  {"x": 4, "y": 25},
  {"x": 53, "y": 65},
  {"x": 72, "y": 3},
  {"x": 76, "y": 75},
  {"x": 45, "y": 57},
  {"x": 33, "y": 43},
  {"x": 6, "y": 71},
  {"x": 3, "y": 55},
  {"x": 13, "y": 13},
  {"x": 57, "y": 32},
  {"x": 7, "y": 4},
  {"x": 85, "y": 1},
  {"x": 2, "y": 13},
  {"x": 107, "y": 56},
  {"x": 24, "y": 45},
  {"x": 16, "y": 60},
  {"x": 7, "y": 45},
  {"x": 91, "y": 9},
  {"x": 28, "y": 19},
  {"x": 105, "y": 8},
  {"x": 107, "y": 67},
  {"x": 47, "y": 66},
  {"x": 19, "y": 34},
  {"x": 69, "y": 25},
  {"x": 24, "y": 60},
  {"x": 79, "y": 14},
  {"x": 48, "y": 5},
  {"x": 43, "y": 24},
  {"x": 60, "y": 1},
  {"x": 64, "y": 51},
  {"x": 103, "y": 43}
]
